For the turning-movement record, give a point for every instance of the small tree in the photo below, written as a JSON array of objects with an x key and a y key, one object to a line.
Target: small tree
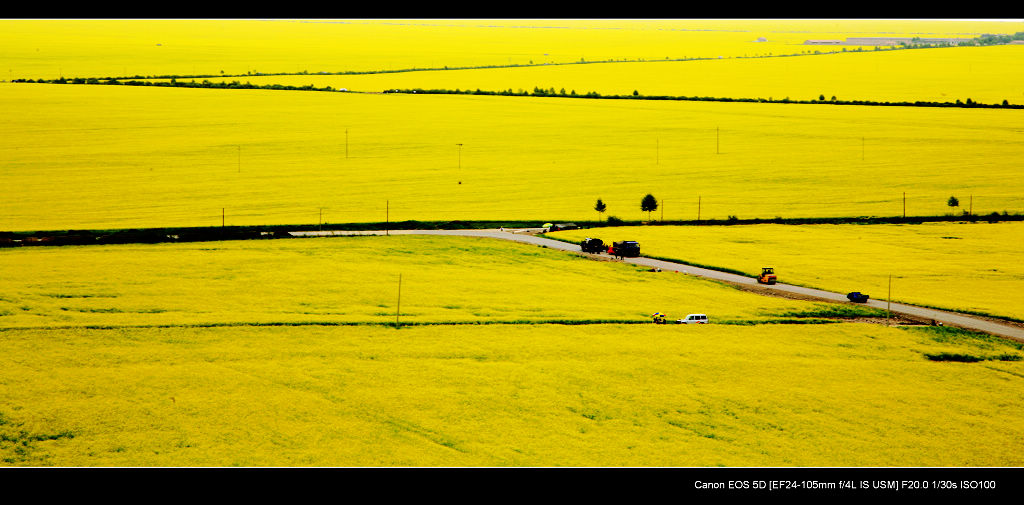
[
  {"x": 600, "y": 207},
  {"x": 649, "y": 204},
  {"x": 953, "y": 202}
]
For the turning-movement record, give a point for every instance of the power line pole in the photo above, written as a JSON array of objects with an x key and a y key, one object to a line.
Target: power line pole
[
  {"x": 460, "y": 163},
  {"x": 387, "y": 217},
  {"x": 698, "y": 208},
  {"x": 904, "y": 205}
]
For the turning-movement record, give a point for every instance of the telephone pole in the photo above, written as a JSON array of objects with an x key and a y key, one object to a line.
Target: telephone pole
[{"x": 460, "y": 163}]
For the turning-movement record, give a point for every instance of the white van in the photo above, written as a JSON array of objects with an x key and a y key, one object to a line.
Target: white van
[{"x": 694, "y": 319}]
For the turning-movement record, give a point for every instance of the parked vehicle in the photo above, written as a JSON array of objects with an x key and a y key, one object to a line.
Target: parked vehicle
[
  {"x": 626, "y": 249},
  {"x": 694, "y": 319},
  {"x": 563, "y": 226},
  {"x": 857, "y": 297},
  {"x": 767, "y": 276},
  {"x": 592, "y": 245}
]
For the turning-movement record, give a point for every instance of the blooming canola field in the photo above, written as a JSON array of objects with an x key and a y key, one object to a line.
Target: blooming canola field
[
  {"x": 981, "y": 74},
  {"x": 970, "y": 267},
  {"x": 101, "y": 157},
  {"x": 285, "y": 353},
  {"x": 445, "y": 351},
  {"x": 51, "y": 48}
]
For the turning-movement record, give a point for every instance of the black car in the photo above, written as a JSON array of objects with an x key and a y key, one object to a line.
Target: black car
[
  {"x": 592, "y": 245},
  {"x": 564, "y": 226},
  {"x": 857, "y": 296},
  {"x": 626, "y": 249}
]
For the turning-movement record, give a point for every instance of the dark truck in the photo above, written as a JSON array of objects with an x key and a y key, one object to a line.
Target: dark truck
[
  {"x": 626, "y": 249},
  {"x": 857, "y": 297},
  {"x": 564, "y": 226},
  {"x": 592, "y": 245}
]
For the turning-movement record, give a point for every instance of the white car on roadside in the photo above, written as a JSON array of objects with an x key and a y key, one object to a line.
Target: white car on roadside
[{"x": 694, "y": 319}]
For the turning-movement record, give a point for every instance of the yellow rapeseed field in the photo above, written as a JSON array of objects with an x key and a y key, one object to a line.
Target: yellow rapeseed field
[
  {"x": 243, "y": 354},
  {"x": 449, "y": 351},
  {"x": 976, "y": 267},
  {"x": 344, "y": 280},
  {"x": 983, "y": 74},
  {"x": 530, "y": 395},
  {"x": 51, "y": 48},
  {"x": 119, "y": 157}
]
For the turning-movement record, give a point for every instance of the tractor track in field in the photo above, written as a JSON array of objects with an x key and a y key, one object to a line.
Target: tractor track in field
[{"x": 908, "y": 314}]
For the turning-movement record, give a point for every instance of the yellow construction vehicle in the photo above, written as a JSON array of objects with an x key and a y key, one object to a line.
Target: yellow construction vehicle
[{"x": 767, "y": 276}]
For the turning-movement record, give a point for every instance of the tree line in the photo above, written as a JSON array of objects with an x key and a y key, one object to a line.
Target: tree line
[{"x": 537, "y": 91}]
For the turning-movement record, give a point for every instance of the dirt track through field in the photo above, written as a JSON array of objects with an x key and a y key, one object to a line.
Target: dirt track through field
[{"x": 529, "y": 236}]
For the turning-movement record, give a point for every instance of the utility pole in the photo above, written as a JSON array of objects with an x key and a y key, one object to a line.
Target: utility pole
[
  {"x": 387, "y": 217},
  {"x": 321, "y": 219},
  {"x": 460, "y": 162},
  {"x": 663, "y": 211},
  {"x": 346, "y": 143},
  {"x": 970, "y": 209},
  {"x": 904, "y": 205},
  {"x": 698, "y": 208}
]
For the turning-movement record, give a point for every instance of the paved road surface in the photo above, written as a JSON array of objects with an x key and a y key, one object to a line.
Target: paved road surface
[{"x": 527, "y": 236}]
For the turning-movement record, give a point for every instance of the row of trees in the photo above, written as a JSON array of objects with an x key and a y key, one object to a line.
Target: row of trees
[
  {"x": 536, "y": 92},
  {"x": 635, "y": 95},
  {"x": 648, "y": 204}
]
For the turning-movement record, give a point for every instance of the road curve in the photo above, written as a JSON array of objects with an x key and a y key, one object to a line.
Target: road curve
[{"x": 527, "y": 236}]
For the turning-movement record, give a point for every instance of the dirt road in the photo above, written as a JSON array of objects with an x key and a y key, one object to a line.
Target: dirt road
[{"x": 528, "y": 236}]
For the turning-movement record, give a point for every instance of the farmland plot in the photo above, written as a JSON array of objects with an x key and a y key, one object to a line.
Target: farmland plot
[
  {"x": 120, "y": 157},
  {"x": 973, "y": 267},
  {"x": 246, "y": 354}
]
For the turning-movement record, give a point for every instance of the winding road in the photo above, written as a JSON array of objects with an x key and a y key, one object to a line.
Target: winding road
[{"x": 528, "y": 236}]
